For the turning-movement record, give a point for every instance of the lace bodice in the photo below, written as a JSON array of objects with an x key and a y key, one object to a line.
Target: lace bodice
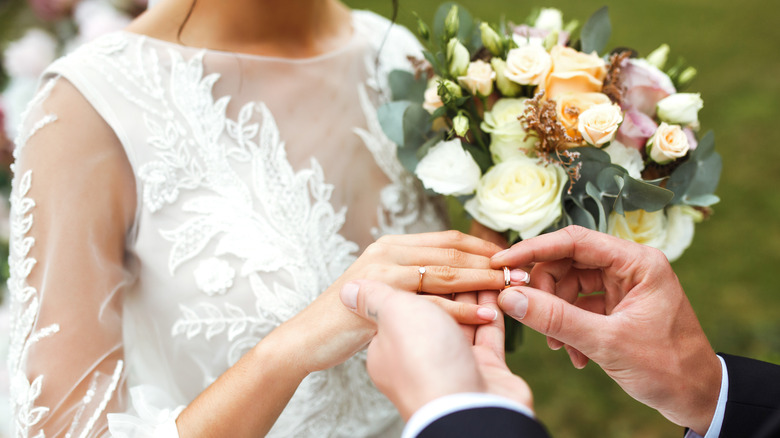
[{"x": 250, "y": 183}]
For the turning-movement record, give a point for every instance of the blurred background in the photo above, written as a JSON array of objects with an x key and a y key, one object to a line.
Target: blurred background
[{"x": 729, "y": 271}]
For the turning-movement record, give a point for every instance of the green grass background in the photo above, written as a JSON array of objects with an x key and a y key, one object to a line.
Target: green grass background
[{"x": 731, "y": 271}]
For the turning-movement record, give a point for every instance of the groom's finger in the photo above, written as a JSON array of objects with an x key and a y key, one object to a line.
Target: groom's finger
[
  {"x": 586, "y": 247},
  {"x": 554, "y": 317}
]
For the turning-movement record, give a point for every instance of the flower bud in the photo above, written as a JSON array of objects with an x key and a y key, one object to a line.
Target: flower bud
[
  {"x": 452, "y": 22},
  {"x": 550, "y": 19},
  {"x": 449, "y": 91},
  {"x": 460, "y": 124},
  {"x": 422, "y": 30},
  {"x": 686, "y": 76},
  {"x": 505, "y": 86},
  {"x": 457, "y": 57},
  {"x": 490, "y": 39},
  {"x": 658, "y": 56}
]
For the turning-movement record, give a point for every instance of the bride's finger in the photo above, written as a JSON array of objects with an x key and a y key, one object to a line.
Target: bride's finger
[
  {"x": 424, "y": 256},
  {"x": 444, "y": 239},
  {"x": 464, "y": 313},
  {"x": 442, "y": 280}
]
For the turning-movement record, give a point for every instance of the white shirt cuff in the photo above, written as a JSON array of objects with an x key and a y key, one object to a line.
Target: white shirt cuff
[
  {"x": 448, "y": 404},
  {"x": 720, "y": 410}
]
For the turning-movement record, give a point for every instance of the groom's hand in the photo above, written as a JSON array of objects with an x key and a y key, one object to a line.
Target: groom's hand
[
  {"x": 419, "y": 352},
  {"x": 619, "y": 304}
]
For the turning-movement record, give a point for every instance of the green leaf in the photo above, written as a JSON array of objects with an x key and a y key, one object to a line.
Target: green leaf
[
  {"x": 466, "y": 29},
  {"x": 594, "y": 193},
  {"x": 404, "y": 86},
  {"x": 640, "y": 195},
  {"x": 391, "y": 118},
  {"x": 579, "y": 215},
  {"x": 416, "y": 124},
  {"x": 481, "y": 156},
  {"x": 697, "y": 178},
  {"x": 702, "y": 201},
  {"x": 596, "y": 32}
]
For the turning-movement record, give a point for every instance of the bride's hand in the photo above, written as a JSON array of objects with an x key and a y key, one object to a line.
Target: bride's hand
[{"x": 454, "y": 262}]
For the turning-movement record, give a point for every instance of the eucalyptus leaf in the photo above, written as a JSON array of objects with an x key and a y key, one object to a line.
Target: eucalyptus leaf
[
  {"x": 579, "y": 215},
  {"x": 408, "y": 158},
  {"x": 596, "y": 32},
  {"x": 391, "y": 118},
  {"x": 699, "y": 176},
  {"x": 404, "y": 86},
  {"x": 702, "y": 200},
  {"x": 594, "y": 193},
  {"x": 640, "y": 195},
  {"x": 416, "y": 124}
]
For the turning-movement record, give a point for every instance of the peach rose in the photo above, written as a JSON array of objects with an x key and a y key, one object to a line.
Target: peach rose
[
  {"x": 599, "y": 123},
  {"x": 570, "y": 106},
  {"x": 574, "y": 72},
  {"x": 667, "y": 144}
]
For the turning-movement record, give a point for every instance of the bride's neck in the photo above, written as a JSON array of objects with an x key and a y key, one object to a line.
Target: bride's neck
[{"x": 287, "y": 28}]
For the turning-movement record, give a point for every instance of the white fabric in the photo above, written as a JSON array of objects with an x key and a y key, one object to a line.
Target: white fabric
[
  {"x": 720, "y": 410},
  {"x": 173, "y": 205},
  {"x": 448, "y": 404}
]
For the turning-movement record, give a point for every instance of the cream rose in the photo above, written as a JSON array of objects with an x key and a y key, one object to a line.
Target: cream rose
[
  {"x": 569, "y": 107},
  {"x": 449, "y": 169},
  {"x": 640, "y": 226},
  {"x": 574, "y": 72},
  {"x": 681, "y": 108},
  {"x": 520, "y": 194},
  {"x": 507, "y": 136},
  {"x": 528, "y": 65},
  {"x": 432, "y": 101},
  {"x": 670, "y": 231},
  {"x": 667, "y": 144},
  {"x": 599, "y": 123},
  {"x": 479, "y": 78}
]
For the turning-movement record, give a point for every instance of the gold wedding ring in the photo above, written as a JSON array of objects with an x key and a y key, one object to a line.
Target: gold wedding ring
[
  {"x": 507, "y": 277},
  {"x": 421, "y": 270}
]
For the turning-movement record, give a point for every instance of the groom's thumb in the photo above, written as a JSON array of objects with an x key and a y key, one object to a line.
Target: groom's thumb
[{"x": 552, "y": 316}]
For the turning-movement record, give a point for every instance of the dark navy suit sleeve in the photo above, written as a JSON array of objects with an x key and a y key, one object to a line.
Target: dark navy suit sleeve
[
  {"x": 753, "y": 406},
  {"x": 485, "y": 422}
]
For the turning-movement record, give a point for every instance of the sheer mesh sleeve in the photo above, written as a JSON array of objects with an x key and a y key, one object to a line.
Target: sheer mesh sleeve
[{"x": 73, "y": 204}]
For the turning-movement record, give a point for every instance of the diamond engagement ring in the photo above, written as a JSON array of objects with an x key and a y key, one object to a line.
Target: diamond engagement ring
[
  {"x": 507, "y": 277},
  {"x": 421, "y": 270}
]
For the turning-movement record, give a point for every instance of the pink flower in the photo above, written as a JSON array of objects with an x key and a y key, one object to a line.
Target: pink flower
[
  {"x": 644, "y": 86},
  {"x": 50, "y": 10},
  {"x": 692, "y": 143},
  {"x": 636, "y": 129},
  {"x": 96, "y": 18},
  {"x": 525, "y": 33},
  {"x": 29, "y": 55}
]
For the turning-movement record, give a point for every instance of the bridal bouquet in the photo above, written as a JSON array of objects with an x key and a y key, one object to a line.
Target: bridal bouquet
[{"x": 531, "y": 129}]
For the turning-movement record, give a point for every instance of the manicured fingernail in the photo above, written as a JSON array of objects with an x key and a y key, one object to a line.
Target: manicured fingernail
[
  {"x": 500, "y": 253},
  {"x": 349, "y": 293},
  {"x": 487, "y": 313},
  {"x": 519, "y": 276},
  {"x": 515, "y": 303}
]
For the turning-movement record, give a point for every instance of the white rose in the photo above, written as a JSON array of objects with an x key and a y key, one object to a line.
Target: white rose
[
  {"x": 520, "y": 194},
  {"x": 681, "y": 220},
  {"x": 670, "y": 231},
  {"x": 667, "y": 144},
  {"x": 528, "y": 65},
  {"x": 549, "y": 19},
  {"x": 479, "y": 78},
  {"x": 681, "y": 108},
  {"x": 507, "y": 136},
  {"x": 29, "y": 55},
  {"x": 640, "y": 226},
  {"x": 627, "y": 158},
  {"x": 599, "y": 123},
  {"x": 432, "y": 100},
  {"x": 449, "y": 169}
]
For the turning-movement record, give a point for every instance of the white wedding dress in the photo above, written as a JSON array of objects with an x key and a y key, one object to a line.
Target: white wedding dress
[{"x": 173, "y": 205}]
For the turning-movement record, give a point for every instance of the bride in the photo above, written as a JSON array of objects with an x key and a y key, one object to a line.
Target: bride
[{"x": 189, "y": 196}]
